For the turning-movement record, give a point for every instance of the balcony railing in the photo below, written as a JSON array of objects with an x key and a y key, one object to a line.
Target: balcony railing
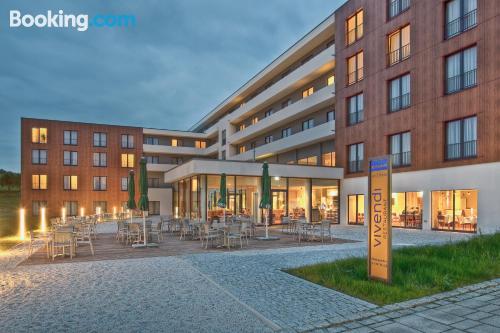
[
  {"x": 356, "y": 117},
  {"x": 466, "y": 149},
  {"x": 355, "y": 76},
  {"x": 401, "y": 159},
  {"x": 356, "y": 166},
  {"x": 399, "y": 55},
  {"x": 461, "y": 81},
  {"x": 461, "y": 24},
  {"x": 398, "y": 6},
  {"x": 400, "y": 102}
]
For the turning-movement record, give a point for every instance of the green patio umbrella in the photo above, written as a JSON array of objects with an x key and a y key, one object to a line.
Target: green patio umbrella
[
  {"x": 223, "y": 195},
  {"x": 131, "y": 191},
  {"x": 265, "y": 201},
  {"x": 143, "y": 190}
]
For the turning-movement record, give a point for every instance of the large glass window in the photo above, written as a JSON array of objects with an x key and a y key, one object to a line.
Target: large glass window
[
  {"x": 38, "y": 135},
  {"x": 461, "y": 138},
  {"x": 325, "y": 200},
  {"x": 247, "y": 196},
  {"x": 279, "y": 199},
  {"x": 195, "y": 198},
  {"x": 400, "y": 147},
  {"x": 328, "y": 159},
  {"x": 128, "y": 160},
  {"x": 213, "y": 194},
  {"x": 455, "y": 210},
  {"x": 407, "y": 210},
  {"x": 356, "y": 209},
  {"x": 298, "y": 198},
  {"x": 399, "y": 45},
  {"x": 399, "y": 93},
  {"x": 355, "y": 108},
  {"x": 461, "y": 70},
  {"x": 354, "y": 27},
  {"x": 461, "y": 15},
  {"x": 355, "y": 71},
  {"x": 356, "y": 157},
  {"x": 39, "y": 182}
]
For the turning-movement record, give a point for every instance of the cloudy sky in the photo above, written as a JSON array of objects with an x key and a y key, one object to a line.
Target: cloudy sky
[{"x": 181, "y": 59}]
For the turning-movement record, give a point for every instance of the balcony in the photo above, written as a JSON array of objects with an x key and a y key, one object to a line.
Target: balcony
[
  {"x": 396, "y": 56},
  {"x": 318, "y": 65},
  {"x": 183, "y": 151},
  {"x": 401, "y": 159},
  {"x": 399, "y": 102},
  {"x": 461, "y": 150},
  {"x": 295, "y": 141},
  {"x": 356, "y": 166},
  {"x": 461, "y": 24},
  {"x": 159, "y": 167},
  {"x": 321, "y": 98},
  {"x": 461, "y": 81}
]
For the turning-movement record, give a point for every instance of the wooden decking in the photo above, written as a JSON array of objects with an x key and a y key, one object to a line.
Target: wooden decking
[{"x": 106, "y": 247}]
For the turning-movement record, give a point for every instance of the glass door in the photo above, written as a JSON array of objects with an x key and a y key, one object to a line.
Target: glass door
[{"x": 278, "y": 206}]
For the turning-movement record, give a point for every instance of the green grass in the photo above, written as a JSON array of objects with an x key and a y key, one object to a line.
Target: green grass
[
  {"x": 416, "y": 271},
  {"x": 9, "y": 207}
]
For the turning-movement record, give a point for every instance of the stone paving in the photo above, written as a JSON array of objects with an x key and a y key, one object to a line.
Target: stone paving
[{"x": 245, "y": 291}]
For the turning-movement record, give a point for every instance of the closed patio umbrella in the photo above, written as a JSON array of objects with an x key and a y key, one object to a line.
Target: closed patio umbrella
[
  {"x": 143, "y": 203},
  {"x": 131, "y": 193},
  {"x": 223, "y": 195},
  {"x": 265, "y": 201}
]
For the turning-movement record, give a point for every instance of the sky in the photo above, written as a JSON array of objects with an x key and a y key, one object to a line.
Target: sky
[{"x": 179, "y": 61}]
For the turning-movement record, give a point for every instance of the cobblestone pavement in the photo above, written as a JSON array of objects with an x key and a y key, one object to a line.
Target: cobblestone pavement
[{"x": 243, "y": 291}]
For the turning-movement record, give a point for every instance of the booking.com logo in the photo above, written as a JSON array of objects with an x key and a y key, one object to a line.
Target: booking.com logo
[{"x": 80, "y": 22}]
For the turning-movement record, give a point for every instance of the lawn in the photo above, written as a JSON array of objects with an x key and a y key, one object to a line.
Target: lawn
[
  {"x": 417, "y": 271},
  {"x": 9, "y": 206}
]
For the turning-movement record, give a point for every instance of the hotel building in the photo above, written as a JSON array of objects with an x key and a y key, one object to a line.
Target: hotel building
[{"x": 413, "y": 79}]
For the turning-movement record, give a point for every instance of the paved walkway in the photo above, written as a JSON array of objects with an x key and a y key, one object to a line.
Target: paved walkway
[{"x": 229, "y": 292}]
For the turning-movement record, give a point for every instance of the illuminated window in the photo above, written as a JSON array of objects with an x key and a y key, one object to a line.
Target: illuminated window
[
  {"x": 355, "y": 71},
  {"x": 38, "y": 135},
  {"x": 175, "y": 143},
  {"x": 242, "y": 127},
  {"x": 354, "y": 27},
  {"x": 356, "y": 209},
  {"x": 128, "y": 160},
  {"x": 200, "y": 144},
  {"x": 39, "y": 182},
  {"x": 308, "y": 92},
  {"x": 328, "y": 159},
  {"x": 399, "y": 45},
  {"x": 242, "y": 149},
  {"x": 70, "y": 183},
  {"x": 331, "y": 80},
  {"x": 255, "y": 120},
  {"x": 455, "y": 210},
  {"x": 311, "y": 160}
]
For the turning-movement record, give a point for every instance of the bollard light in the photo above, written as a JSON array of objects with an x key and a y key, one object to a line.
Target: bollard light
[
  {"x": 114, "y": 213},
  {"x": 82, "y": 211},
  {"x": 22, "y": 224},
  {"x": 43, "y": 220},
  {"x": 63, "y": 214}
]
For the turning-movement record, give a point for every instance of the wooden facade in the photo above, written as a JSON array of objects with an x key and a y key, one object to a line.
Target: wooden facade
[
  {"x": 85, "y": 195},
  {"x": 430, "y": 107}
]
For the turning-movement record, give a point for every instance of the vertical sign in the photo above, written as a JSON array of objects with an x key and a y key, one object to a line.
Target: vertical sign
[{"x": 379, "y": 227}]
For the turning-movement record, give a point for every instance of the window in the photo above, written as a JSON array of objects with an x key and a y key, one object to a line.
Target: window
[
  {"x": 255, "y": 120},
  {"x": 36, "y": 207},
  {"x": 328, "y": 159},
  {"x": 455, "y": 210},
  {"x": 149, "y": 140},
  {"x": 38, "y": 135},
  {"x": 308, "y": 92},
  {"x": 39, "y": 182},
  {"x": 399, "y": 45},
  {"x": 356, "y": 157},
  {"x": 154, "y": 208},
  {"x": 325, "y": 200},
  {"x": 461, "y": 138},
  {"x": 200, "y": 144},
  {"x": 154, "y": 182},
  {"x": 223, "y": 134},
  {"x": 396, "y": 7},
  {"x": 71, "y": 138},
  {"x": 399, "y": 93},
  {"x": 153, "y": 159},
  {"x": 331, "y": 80},
  {"x": 70, "y": 183},
  {"x": 100, "y": 207},
  {"x": 242, "y": 149},
  {"x": 286, "y": 103},
  {"x": 127, "y": 141},
  {"x": 268, "y": 113},
  {"x": 128, "y": 160},
  {"x": 461, "y": 15},
  {"x": 70, "y": 158},
  {"x": 356, "y": 209},
  {"x": 400, "y": 149},
  {"x": 124, "y": 183},
  {"x": 461, "y": 70},
  {"x": 176, "y": 143},
  {"x": 268, "y": 139},
  {"x": 39, "y": 156},
  {"x": 307, "y": 124},
  {"x": 355, "y": 68},
  {"x": 242, "y": 127},
  {"x": 286, "y": 132},
  {"x": 354, "y": 27},
  {"x": 407, "y": 209},
  {"x": 355, "y": 109},
  {"x": 71, "y": 208},
  {"x": 100, "y": 183},
  {"x": 311, "y": 160},
  {"x": 100, "y": 159},
  {"x": 330, "y": 116},
  {"x": 100, "y": 139}
]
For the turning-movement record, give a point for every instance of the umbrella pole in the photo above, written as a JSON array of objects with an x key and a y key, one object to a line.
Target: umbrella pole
[
  {"x": 267, "y": 224},
  {"x": 144, "y": 223}
]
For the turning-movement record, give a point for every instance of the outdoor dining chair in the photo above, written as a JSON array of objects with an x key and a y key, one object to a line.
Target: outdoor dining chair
[{"x": 62, "y": 240}]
